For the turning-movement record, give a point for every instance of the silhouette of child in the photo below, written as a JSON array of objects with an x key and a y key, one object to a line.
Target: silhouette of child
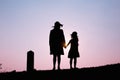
[{"x": 73, "y": 53}]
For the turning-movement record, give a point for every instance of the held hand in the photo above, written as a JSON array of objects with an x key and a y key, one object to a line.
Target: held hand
[{"x": 65, "y": 46}]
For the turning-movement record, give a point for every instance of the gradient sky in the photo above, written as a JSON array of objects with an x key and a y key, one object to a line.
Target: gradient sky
[{"x": 25, "y": 25}]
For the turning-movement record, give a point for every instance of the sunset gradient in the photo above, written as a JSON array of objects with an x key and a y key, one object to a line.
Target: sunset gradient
[{"x": 25, "y": 25}]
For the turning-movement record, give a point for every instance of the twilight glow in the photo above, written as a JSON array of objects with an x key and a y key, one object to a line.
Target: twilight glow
[{"x": 25, "y": 25}]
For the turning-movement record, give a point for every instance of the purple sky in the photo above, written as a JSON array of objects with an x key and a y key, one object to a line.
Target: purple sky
[{"x": 25, "y": 25}]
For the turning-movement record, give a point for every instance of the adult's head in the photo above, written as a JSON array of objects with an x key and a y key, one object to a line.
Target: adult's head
[{"x": 57, "y": 24}]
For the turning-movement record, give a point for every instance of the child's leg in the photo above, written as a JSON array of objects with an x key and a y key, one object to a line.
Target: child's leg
[
  {"x": 75, "y": 61},
  {"x": 71, "y": 63}
]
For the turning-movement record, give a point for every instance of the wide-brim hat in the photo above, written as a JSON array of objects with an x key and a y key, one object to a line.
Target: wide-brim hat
[{"x": 57, "y": 23}]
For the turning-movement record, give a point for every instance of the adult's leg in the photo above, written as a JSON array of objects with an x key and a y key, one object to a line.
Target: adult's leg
[
  {"x": 59, "y": 61},
  {"x": 54, "y": 61}
]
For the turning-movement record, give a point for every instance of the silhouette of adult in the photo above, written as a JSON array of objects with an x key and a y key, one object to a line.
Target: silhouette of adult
[{"x": 56, "y": 42}]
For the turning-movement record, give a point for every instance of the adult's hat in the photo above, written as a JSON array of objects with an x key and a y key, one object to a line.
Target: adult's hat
[{"x": 57, "y": 23}]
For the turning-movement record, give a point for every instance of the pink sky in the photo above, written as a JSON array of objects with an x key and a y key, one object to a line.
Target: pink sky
[{"x": 25, "y": 25}]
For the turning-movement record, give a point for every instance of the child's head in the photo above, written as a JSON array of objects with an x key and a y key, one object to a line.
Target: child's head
[{"x": 74, "y": 34}]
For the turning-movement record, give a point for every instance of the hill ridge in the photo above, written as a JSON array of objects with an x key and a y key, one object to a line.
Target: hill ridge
[{"x": 109, "y": 71}]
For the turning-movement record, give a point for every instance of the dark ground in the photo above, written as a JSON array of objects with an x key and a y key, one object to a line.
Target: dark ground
[{"x": 107, "y": 72}]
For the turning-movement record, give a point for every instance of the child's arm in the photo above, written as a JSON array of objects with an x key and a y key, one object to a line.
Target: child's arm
[{"x": 68, "y": 43}]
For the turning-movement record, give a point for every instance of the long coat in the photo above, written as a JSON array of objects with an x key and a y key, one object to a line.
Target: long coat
[{"x": 56, "y": 42}]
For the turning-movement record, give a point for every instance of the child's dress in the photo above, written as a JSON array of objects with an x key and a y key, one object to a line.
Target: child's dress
[{"x": 73, "y": 52}]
